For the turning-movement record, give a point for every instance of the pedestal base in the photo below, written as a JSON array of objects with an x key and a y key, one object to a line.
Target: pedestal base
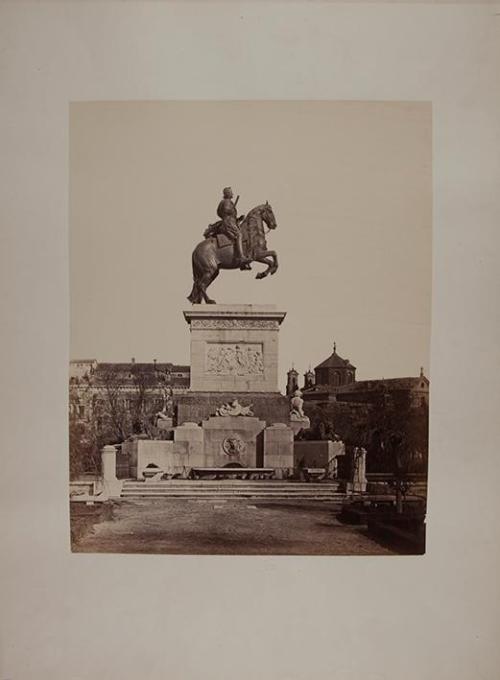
[{"x": 220, "y": 441}]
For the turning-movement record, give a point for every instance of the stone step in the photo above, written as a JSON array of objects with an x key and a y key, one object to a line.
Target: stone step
[
  {"x": 224, "y": 497},
  {"x": 292, "y": 492},
  {"x": 232, "y": 492},
  {"x": 215, "y": 484},
  {"x": 233, "y": 489},
  {"x": 228, "y": 494}
]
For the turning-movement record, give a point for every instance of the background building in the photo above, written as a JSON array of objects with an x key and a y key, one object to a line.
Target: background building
[
  {"x": 369, "y": 413},
  {"x": 92, "y": 383},
  {"x": 334, "y": 380},
  {"x": 109, "y": 402}
]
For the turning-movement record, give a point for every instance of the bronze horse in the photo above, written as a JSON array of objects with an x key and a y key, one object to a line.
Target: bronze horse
[{"x": 211, "y": 255}]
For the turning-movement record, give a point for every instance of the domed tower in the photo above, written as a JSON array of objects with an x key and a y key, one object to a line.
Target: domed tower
[
  {"x": 335, "y": 371},
  {"x": 309, "y": 379},
  {"x": 292, "y": 381}
]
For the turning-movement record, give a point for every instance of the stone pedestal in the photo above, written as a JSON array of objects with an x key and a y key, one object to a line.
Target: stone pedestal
[
  {"x": 234, "y": 355},
  {"x": 234, "y": 348},
  {"x": 298, "y": 424},
  {"x": 112, "y": 486},
  {"x": 317, "y": 453}
]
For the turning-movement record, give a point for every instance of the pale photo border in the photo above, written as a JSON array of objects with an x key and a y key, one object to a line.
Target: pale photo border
[{"x": 148, "y": 616}]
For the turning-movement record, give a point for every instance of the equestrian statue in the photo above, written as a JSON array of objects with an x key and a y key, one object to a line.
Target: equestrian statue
[{"x": 232, "y": 243}]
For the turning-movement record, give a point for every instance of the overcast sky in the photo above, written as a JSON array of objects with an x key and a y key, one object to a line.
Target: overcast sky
[{"x": 351, "y": 187}]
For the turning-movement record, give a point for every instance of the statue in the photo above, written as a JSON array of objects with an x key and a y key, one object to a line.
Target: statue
[
  {"x": 232, "y": 243},
  {"x": 234, "y": 408},
  {"x": 297, "y": 406},
  {"x": 166, "y": 413},
  {"x": 299, "y": 422}
]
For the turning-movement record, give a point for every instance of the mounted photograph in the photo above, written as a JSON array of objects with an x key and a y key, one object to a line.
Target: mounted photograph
[{"x": 250, "y": 300}]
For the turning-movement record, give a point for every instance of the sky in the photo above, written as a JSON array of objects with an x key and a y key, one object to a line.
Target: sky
[{"x": 350, "y": 184}]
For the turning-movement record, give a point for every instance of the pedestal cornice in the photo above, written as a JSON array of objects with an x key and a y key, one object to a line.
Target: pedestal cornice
[{"x": 238, "y": 312}]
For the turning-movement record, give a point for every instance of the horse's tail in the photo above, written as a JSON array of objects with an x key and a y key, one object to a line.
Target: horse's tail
[{"x": 194, "y": 295}]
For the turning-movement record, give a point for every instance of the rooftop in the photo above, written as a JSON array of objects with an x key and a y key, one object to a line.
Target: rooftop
[{"x": 336, "y": 361}]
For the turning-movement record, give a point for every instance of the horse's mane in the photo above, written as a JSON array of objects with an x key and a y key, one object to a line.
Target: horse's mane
[
  {"x": 253, "y": 230},
  {"x": 258, "y": 208}
]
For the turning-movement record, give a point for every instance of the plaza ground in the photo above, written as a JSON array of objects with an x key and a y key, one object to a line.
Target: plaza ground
[{"x": 210, "y": 527}]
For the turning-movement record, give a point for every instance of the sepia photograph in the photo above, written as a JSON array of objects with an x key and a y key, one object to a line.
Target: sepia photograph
[
  {"x": 250, "y": 327},
  {"x": 249, "y": 336}
]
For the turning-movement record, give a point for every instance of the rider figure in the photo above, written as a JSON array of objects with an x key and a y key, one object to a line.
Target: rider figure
[{"x": 226, "y": 210}]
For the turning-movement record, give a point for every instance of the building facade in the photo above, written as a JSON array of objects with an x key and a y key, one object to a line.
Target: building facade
[{"x": 144, "y": 386}]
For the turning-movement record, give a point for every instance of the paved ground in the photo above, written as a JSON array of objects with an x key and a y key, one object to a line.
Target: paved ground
[{"x": 241, "y": 527}]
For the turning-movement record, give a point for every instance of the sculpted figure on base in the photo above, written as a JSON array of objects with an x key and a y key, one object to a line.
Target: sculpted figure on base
[
  {"x": 297, "y": 406},
  {"x": 232, "y": 243},
  {"x": 234, "y": 409}
]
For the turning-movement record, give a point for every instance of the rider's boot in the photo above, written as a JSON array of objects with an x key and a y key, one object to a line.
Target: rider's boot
[{"x": 243, "y": 261}]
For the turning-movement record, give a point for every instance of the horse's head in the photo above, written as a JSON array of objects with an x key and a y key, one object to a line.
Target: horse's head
[{"x": 268, "y": 216}]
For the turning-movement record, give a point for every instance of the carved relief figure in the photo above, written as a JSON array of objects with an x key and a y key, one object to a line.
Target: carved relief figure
[
  {"x": 233, "y": 445},
  {"x": 232, "y": 359}
]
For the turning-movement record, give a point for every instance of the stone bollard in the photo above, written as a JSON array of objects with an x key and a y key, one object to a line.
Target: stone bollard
[{"x": 112, "y": 485}]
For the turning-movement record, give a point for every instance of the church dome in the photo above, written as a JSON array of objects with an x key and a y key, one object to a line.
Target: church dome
[
  {"x": 336, "y": 361},
  {"x": 335, "y": 371}
]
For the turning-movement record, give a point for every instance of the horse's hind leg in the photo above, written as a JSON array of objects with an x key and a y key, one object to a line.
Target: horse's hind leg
[{"x": 205, "y": 281}]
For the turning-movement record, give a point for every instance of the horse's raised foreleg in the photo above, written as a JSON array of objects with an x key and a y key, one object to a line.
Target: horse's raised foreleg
[
  {"x": 270, "y": 258},
  {"x": 264, "y": 260},
  {"x": 274, "y": 255}
]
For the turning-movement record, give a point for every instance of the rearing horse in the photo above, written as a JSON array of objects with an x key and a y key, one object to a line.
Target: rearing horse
[{"x": 209, "y": 257}]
